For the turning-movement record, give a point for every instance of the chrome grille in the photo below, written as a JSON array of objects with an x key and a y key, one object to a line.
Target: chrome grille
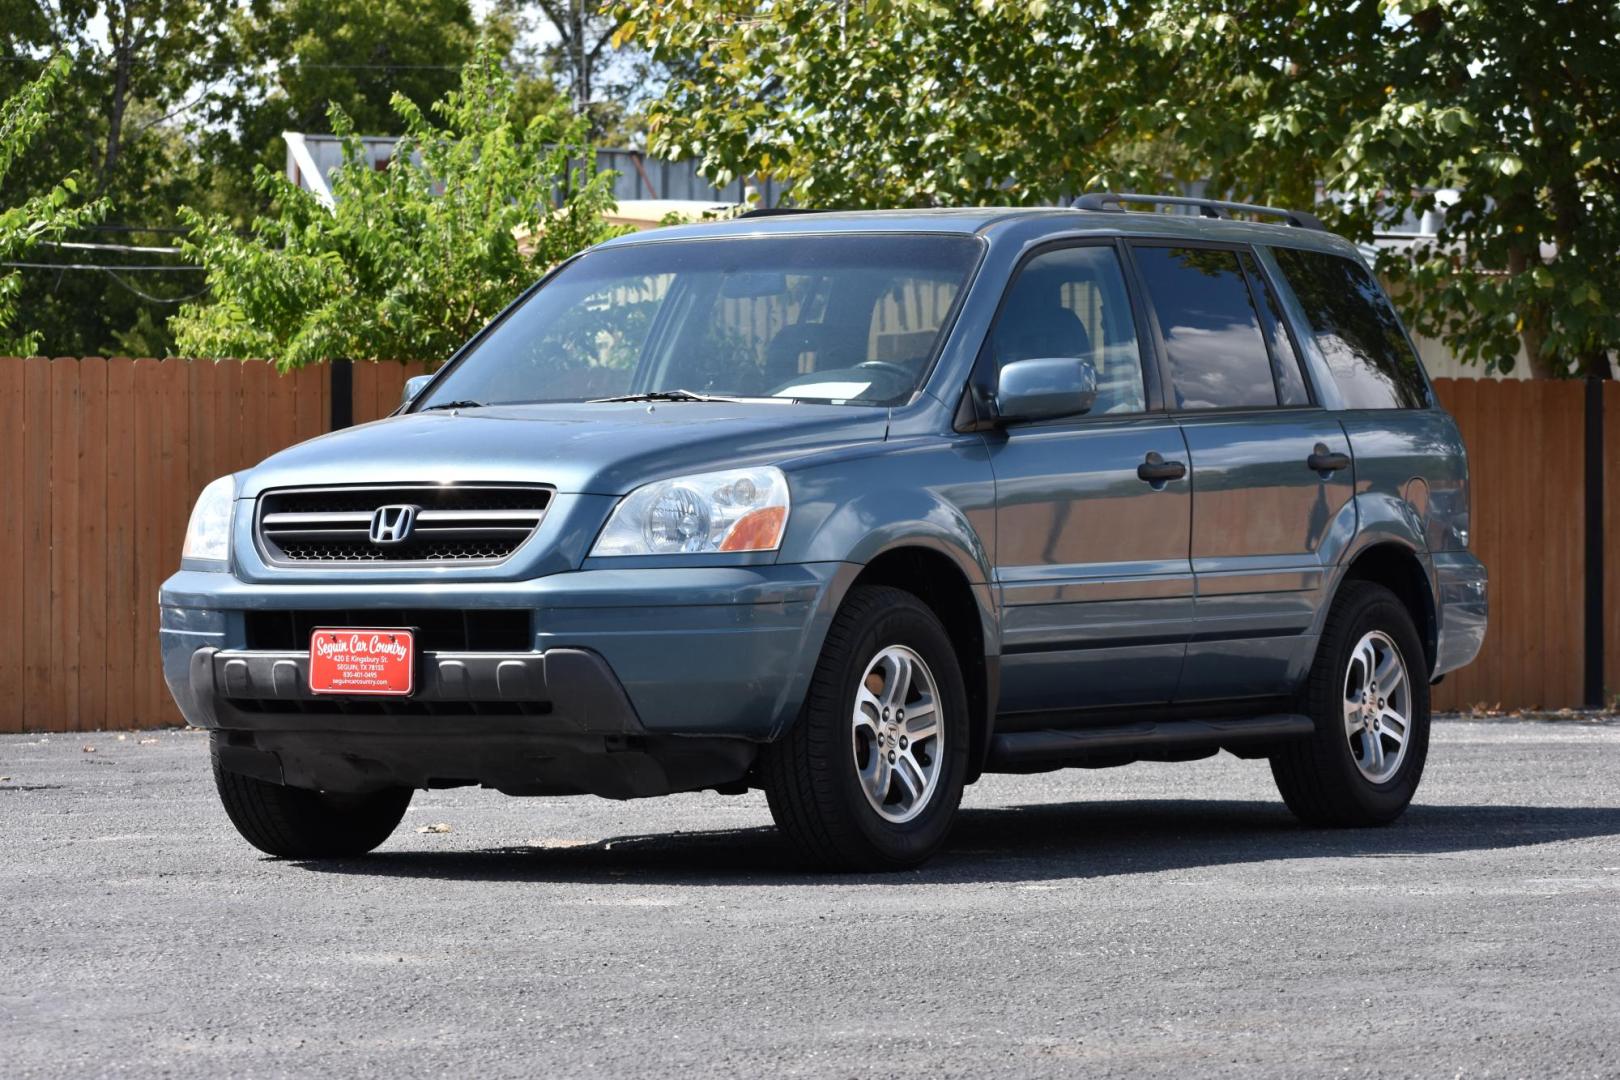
[{"x": 459, "y": 523}]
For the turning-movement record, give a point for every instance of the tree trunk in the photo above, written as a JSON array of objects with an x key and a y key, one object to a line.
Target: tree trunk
[
  {"x": 121, "y": 34},
  {"x": 1532, "y": 322},
  {"x": 582, "y": 64}
]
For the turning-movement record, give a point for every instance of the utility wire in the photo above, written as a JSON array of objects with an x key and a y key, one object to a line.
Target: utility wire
[
  {"x": 113, "y": 272},
  {"x": 131, "y": 248},
  {"x": 221, "y": 66},
  {"x": 132, "y": 228},
  {"x": 144, "y": 295},
  {"x": 157, "y": 269}
]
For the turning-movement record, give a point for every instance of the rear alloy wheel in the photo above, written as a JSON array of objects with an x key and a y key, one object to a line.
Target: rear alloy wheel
[
  {"x": 1368, "y": 694},
  {"x": 1377, "y": 707},
  {"x": 870, "y": 775}
]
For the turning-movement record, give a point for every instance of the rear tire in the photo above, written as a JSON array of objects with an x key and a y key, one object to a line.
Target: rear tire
[
  {"x": 1368, "y": 694},
  {"x": 297, "y": 823},
  {"x": 856, "y": 783}
]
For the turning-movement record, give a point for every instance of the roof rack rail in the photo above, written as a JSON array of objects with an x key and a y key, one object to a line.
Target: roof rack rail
[
  {"x": 1213, "y": 208},
  {"x": 777, "y": 211}
]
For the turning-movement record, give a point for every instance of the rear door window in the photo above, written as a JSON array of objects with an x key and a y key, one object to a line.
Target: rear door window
[
  {"x": 1370, "y": 359},
  {"x": 1212, "y": 340}
]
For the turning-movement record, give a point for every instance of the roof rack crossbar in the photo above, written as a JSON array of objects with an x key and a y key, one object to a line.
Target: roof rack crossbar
[{"x": 1214, "y": 208}]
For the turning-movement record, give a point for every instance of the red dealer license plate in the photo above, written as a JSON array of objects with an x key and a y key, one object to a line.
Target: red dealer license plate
[{"x": 362, "y": 660}]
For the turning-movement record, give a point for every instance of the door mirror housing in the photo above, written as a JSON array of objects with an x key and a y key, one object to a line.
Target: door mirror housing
[
  {"x": 413, "y": 387},
  {"x": 1046, "y": 388}
]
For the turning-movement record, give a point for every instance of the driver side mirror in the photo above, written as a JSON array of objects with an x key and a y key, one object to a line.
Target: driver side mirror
[
  {"x": 1046, "y": 388},
  {"x": 414, "y": 386}
]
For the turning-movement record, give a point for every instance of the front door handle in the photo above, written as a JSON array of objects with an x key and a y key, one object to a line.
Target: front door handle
[
  {"x": 1324, "y": 462},
  {"x": 1158, "y": 472}
]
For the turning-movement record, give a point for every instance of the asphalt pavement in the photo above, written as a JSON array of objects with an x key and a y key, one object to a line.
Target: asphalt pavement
[{"x": 1156, "y": 920}]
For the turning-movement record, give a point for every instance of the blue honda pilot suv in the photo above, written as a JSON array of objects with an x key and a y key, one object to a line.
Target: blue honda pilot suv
[{"x": 853, "y": 508}]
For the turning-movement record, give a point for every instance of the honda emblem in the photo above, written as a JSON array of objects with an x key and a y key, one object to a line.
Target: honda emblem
[{"x": 393, "y": 524}]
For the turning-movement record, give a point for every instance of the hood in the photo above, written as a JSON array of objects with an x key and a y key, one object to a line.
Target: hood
[{"x": 599, "y": 449}]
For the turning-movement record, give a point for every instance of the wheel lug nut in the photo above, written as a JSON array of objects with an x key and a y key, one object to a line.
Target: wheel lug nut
[
  {"x": 902, "y": 742},
  {"x": 891, "y": 757}
]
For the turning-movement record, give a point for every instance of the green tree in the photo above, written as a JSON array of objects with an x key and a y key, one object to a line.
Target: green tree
[
  {"x": 413, "y": 259},
  {"x": 294, "y": 59},
  {"x": 1520, "y": 111},
  {"x": 23, "y": 118},
  {"x": 140, "y": 74},
  {"x": 1515, "y": 107},
  {"x": 923, "y": 102},
  {"x": 575, "y": 49},
  {"x": 904, "y": 102},
  {"x": 358, "y": 54}
]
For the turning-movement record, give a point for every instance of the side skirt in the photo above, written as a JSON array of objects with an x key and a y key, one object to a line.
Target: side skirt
[{"x": 1142, "y": 740}]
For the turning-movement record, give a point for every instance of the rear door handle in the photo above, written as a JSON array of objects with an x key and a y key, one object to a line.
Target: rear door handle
[
  {"x": 1157, "y": 471},
  {"x": 1323, "y": 461}
]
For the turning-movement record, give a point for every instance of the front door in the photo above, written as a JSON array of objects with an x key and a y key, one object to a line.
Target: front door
[
  {"x": 1092, "y": 521},
  {"x": 1271, "y": 472}
]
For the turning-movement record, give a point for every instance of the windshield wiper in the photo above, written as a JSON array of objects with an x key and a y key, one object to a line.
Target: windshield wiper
[
  {"x": 453, "y": 405},
  {"x": 661, "y": 395}
]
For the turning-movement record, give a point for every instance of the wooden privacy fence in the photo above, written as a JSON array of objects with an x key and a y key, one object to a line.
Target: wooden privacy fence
[{"x": 100, "y": 461}]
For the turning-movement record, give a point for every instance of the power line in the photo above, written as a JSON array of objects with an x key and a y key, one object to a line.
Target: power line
[
  {"x": 113, "y": 272},
  {"x": 136, "y": 249},
  {"x": 222, "y": 66},
  {"x": 144, "y": 295},
  {"x": 155, "y": 269},
  {"x": 132, "y": 229}
]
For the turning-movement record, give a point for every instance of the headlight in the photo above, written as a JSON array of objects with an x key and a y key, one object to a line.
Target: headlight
[
  {"x": 208, "y": 536},
  {"x": 734, "y": 510}
]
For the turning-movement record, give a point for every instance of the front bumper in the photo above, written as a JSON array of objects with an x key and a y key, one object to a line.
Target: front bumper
[
  {"x": 689, "y": 651},
  {"x": 243, "y": 690},
  {"x": 1461, "y": 581}
]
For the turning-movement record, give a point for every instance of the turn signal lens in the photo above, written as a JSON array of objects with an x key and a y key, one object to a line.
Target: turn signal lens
[{"x": 759, "y": 530}]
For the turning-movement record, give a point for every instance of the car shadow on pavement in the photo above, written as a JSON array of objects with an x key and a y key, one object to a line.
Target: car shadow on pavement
[{"x": 1019, "y": 843}]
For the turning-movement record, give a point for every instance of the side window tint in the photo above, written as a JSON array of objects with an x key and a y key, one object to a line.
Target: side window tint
[
  {"x": 1212, "y": 338},
  {"x": 1072, "y": 302},
  {"x": 1284, "y": 361},
  {"x": 1370, "y": 359}
]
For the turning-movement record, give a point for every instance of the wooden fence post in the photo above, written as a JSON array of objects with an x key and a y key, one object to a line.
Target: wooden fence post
[
  {"x": 1593, "y": 696},
  {"x": 342, "y": 399}
]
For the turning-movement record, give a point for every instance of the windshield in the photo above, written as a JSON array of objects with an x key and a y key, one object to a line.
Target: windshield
[{"x": 847, "y": 319}]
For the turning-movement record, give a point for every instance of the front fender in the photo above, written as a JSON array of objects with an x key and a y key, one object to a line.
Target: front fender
[
  {"x": 937, "y": 493},
  {"x": 934, "y": 494},
  {"x": 883, "y": 521}
]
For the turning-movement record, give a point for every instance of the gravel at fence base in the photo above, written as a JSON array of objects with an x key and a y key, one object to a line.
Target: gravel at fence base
[{"x": 1166, "y": 920}]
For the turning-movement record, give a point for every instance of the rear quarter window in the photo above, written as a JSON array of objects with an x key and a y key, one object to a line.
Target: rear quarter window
[{"x": 1368, "y": 356}]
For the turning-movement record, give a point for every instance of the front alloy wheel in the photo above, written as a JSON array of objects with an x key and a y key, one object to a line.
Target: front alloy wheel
[
  {"x": 897, "y": 736},
  {"x": 870, "y": 775}
]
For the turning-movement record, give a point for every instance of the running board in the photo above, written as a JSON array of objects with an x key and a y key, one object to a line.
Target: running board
[{"x": 1035, "y": 751}]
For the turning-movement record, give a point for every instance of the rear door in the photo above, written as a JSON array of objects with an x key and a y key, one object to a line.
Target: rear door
[
  {"x": 1271, "y": 470},
  {"x": 1091, "y": 555}
]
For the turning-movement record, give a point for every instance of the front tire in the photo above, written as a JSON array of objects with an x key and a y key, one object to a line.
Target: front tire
[
  {"x": 870, "y": 776},
  {"x": 297, "y": 823},
  {"x": 1369, "y": 697}
]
